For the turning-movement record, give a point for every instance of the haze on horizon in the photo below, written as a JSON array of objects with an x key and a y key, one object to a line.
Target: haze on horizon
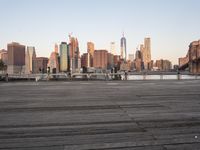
[{"x": 170, "y": 24}]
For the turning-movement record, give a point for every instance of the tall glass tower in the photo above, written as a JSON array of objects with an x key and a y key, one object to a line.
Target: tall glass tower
[
  {"x": 63, "y": 57},
  {"x": 123, "y": 48}
]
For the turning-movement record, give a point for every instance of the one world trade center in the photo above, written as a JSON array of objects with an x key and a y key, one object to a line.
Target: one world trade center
[{"x": 123, "y": 48}]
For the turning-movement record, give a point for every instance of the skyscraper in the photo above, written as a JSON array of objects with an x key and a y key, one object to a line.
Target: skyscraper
[
  {"x": 53, "y": 61},
  {"x": 90, "y": 50},
  {"x": 74, "y": 54},
  {"x": 146, "y": 53},
  {"x": 101, "y": 59},
  {"x": 110, "y": 61},
  {"x": 138, "y": 61},
  {"x": 123, "y": 48},
  {"x": 85, "y": 60},
  {"x": 30, "y": 55},
  {"x": 138, "y": 55},
  {"x": 112, "y": 48},
  {"x": 16, "y": 58},
  {"x": 63, "y": 57}
]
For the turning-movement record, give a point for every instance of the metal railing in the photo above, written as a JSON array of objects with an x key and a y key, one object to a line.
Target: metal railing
[{"x": 97, "y": 76}]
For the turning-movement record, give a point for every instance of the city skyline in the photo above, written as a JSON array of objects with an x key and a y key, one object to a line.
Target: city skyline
[{"x": 43, "y": 23}]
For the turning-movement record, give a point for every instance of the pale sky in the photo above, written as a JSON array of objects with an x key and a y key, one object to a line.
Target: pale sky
[{"x": 171, "y": 24}]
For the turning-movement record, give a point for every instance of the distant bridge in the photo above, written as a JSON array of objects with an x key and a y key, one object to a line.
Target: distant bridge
[{"x": 192, "y": 59}]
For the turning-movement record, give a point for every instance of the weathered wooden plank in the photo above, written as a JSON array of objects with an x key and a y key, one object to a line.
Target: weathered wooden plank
[{"x": 73, "y": 115}]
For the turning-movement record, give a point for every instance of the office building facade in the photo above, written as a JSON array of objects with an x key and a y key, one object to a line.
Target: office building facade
[
  {"x": 100, "y": 59},
  {"x": 4, "y": 56},
  {"x": 16, "y": 58},
  {"x": 74, "y": 55},
  {"x": 63, "y": 57},
  {"x": 30, "y": 55},
  {"x": 112, "y": 48},
  {"x": 146, "y": 53},
  {"x": 40, "y": 65},
  {"x": 53, "y": 62},
  {"x": 163, "y": 65},
  {"x": 90, "y": 50},
  {"x": 123, "y": 48},
  {"x": 85, "y": 60}
]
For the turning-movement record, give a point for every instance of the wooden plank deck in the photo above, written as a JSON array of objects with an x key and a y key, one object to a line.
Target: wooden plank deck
[{"x": 120, "y": 115}]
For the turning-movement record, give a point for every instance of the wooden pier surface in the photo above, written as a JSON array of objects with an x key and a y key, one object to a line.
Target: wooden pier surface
[{"x": 91, "y": 115}]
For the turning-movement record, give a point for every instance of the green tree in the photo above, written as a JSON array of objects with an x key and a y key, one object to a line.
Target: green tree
[{"x": 2, "y": 65}]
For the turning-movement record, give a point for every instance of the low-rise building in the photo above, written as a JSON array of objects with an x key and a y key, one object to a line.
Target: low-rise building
[{"x": 40, "y": 65}]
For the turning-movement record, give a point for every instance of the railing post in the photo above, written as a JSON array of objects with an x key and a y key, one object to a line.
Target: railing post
[
  {"x": 48, "y": 76},
  {"x": 161, "y": 76},
  {"x": 144, "y": 76},
  {"x": 178, "y": 75},
  {"x": 126, "y": 76},
  {"x": 196, "y": 76}
]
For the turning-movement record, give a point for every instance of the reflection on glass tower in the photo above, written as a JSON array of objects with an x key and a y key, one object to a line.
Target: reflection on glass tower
[{"x": 123, "y": 48}]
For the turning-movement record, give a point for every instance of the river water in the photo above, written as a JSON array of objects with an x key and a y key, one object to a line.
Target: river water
[{"x": 161, "y": 77}]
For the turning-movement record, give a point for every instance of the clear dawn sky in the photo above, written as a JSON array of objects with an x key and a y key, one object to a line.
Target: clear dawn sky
[{"x": 171, "y": 24}]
